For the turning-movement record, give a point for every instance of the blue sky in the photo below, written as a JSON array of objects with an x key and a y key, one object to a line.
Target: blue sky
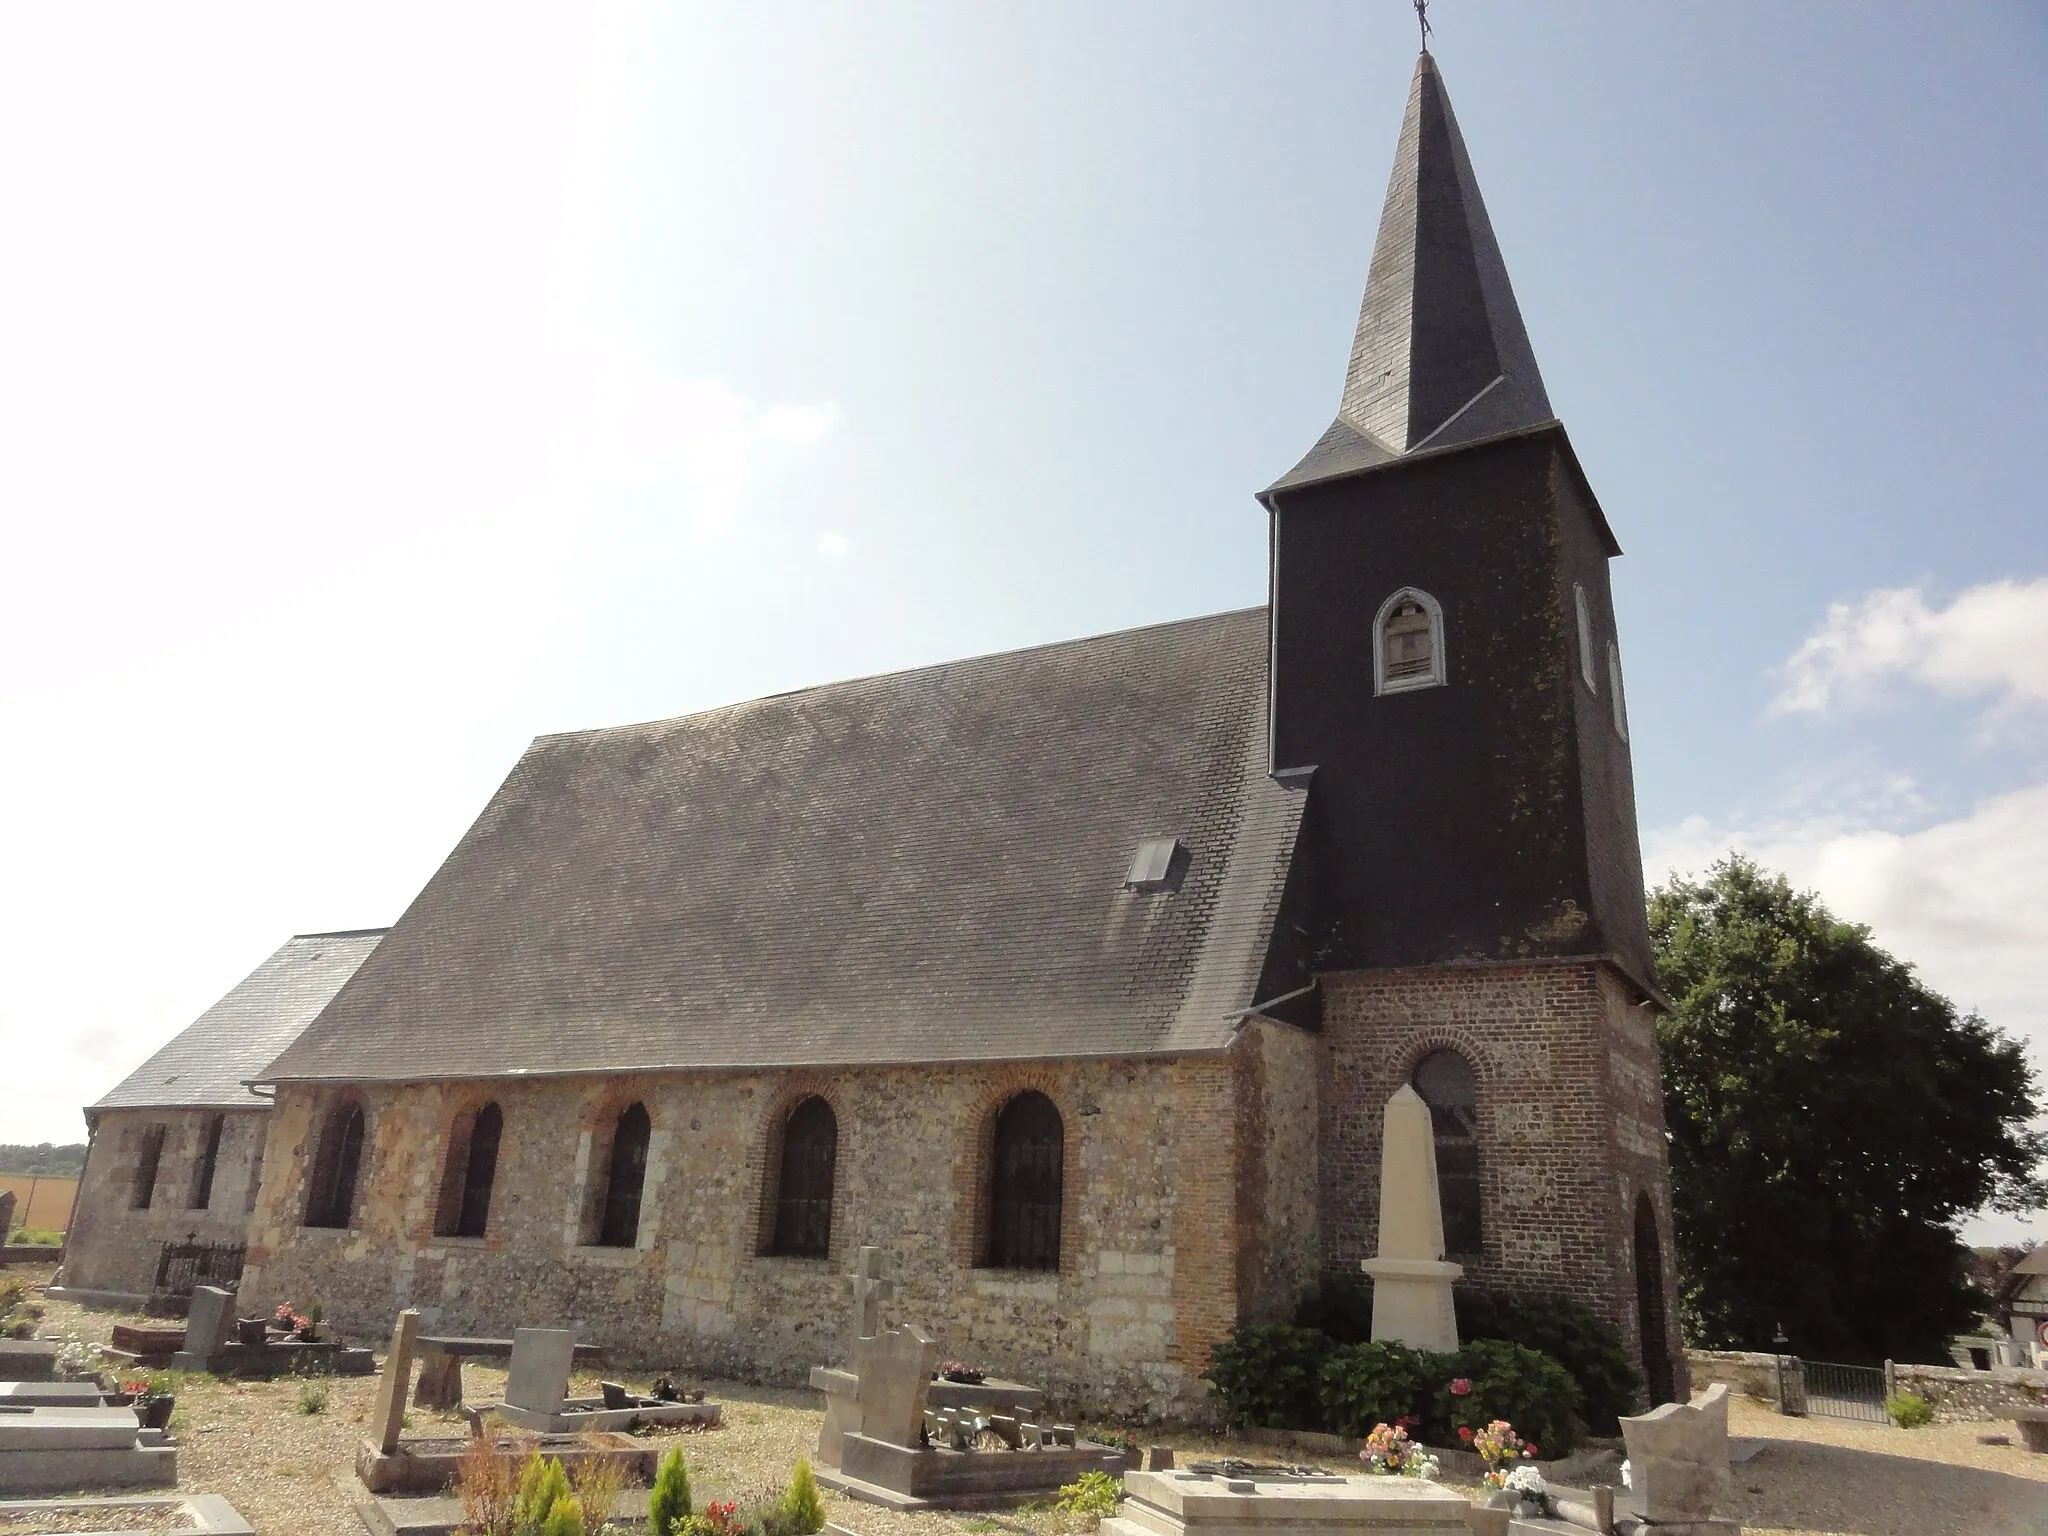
[{"x": 378, "y": 391}]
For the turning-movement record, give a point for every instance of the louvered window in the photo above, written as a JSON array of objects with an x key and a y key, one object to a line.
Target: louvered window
[
  {"x": 331, "y": 1199},
  {"x": 803, "y": 1198},
  {"x": 621, "y": 1225},
  {"x": 209, "y": 1157},
  {"x": 147, "y": 1161},
  {"x": 1024, "y": 1185},
  {"x": 1408, "y": 643}
]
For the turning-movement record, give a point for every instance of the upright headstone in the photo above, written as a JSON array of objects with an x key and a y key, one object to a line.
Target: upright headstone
[
  {"x": 209, "y": 1319},
  {"x": 870, "y": 1290},
  {"x": 1411, "y": 1283},
  {"x": 895, "y": 1370},
  {"x": 387, "y": 1416},
  {"x": 6, "y": 1216},
  {"x": 1678, "y": 1460},
  {"x": 541, "y": 1358}
]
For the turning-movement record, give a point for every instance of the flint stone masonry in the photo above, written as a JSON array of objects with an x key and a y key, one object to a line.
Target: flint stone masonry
[{"x": 1164, "y": 1234}]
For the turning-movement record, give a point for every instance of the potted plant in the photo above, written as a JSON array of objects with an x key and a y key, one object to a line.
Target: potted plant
[{"x": 152, "y": 1399}]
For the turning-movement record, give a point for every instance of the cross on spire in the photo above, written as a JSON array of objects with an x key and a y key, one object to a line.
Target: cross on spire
[{"x": 1422, "y": 20}]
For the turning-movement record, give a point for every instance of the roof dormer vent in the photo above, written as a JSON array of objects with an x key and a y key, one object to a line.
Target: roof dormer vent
[{"x": 1159, "y": 865}]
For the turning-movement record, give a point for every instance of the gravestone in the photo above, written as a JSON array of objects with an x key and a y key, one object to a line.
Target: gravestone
[
  {"x": 1411, "y": 1283},
  {"x": 387, "y": 1416},
  {"x": 208, "y": 1322},
  {"x": 6, "y": 1215},
  {"x": 895, "y": 1370},
  {"x": 870, "y": 1290},
  {"x": 541, "y": 1360},
  {"x": 1678, "y": 1465},
  {"x": 842, "y": 1388}
]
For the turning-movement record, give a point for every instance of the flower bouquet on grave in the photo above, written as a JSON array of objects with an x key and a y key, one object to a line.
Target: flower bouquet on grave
[
  {"x": 962, "y": 1372},
  {"x": 1389, "y": 1452}
]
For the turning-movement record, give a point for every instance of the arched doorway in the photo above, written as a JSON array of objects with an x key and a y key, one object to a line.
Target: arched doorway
[{"x": 1650, "y": 1305}]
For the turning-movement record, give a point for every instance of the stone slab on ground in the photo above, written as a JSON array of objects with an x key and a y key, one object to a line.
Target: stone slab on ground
[
  {"x": 443, "y": 1516},
  {"x": 984, "y": 1397},
  {"x": 49, "y": 1394},
  {"x": 905, "y": 1478},
  {"x": 28, "y": 1360},
  {"x": 1195, "y": 1504},
  {"x": 578, "y": 1414},
  {"x": 206, "y": 1514},
  {"x": 67, "y": 1429},
  {"x": 26, "y": 1473},
  {"x": 422, "y": 1467}
]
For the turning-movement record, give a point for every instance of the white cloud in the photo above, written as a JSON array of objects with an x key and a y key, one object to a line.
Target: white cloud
[{"x": 1991, "y": 641}]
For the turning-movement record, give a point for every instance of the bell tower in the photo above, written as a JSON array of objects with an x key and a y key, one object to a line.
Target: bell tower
[{"x": 1446, "y": 676}]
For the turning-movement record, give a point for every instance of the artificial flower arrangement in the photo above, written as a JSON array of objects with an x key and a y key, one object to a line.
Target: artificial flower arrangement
[
  {"x": 1390, "y": 1452},
  {"x": 1498, "y": 1446}
]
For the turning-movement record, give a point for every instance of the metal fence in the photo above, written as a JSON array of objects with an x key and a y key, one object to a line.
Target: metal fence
[
  {"x": 1844, "y": 1391},
  {"x": 185, "y": 1265}
]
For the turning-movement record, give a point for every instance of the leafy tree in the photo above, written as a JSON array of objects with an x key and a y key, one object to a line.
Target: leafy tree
[{"x": 1832, "y": 1122}]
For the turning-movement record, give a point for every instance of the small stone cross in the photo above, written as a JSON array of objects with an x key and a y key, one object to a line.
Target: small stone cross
[{"x": 870, "y": 1290}]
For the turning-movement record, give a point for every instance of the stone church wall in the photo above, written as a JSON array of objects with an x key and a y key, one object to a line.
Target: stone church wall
[
  {"x": 112, "y": 1245},
  {"x": 1570, "y": 1121},
  {"x": 1153, "y": 1249}
]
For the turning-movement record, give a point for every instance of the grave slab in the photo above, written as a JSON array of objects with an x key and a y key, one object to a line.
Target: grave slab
[
  {"x": 1267, "y": 1503},
  {"x": 205, "y": 1514},
  {"x": 430, "y": 1466},
  {"x": 50, "y": 1394},
  {"x": 28, "y": 1360},
  {"x": 67, "y": 1429}
]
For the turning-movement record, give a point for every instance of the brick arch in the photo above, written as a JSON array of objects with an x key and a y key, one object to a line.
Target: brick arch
[
  {"x": 764, "y": 1154},
  {"x": 974, "y": 1162}
]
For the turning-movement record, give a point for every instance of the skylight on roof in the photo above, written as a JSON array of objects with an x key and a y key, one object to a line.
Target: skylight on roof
[{"x": 1158, "y": 865}]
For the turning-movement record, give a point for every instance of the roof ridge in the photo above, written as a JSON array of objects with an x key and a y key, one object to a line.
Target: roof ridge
[
  {"x": 344, "y": 933},
  {"x": 901, "y": 672}
]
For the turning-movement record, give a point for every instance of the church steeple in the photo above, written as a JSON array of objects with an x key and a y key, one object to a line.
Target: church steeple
[{"x": 1440, "y": 357}]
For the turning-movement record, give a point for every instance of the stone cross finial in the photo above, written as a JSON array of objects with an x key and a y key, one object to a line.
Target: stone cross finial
[{"x": 870, "y": 1290}]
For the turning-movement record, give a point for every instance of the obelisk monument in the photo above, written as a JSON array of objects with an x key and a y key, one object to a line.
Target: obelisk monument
[{"x": 1411, "y": 1283}]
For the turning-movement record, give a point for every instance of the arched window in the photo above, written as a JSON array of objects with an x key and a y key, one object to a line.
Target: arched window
[
  {"x": 1585, "y": 637},
  {"x": 1650, "y": 1318},
  {"x": 464, "y": 1209},
  {"x": 1445, "y": 1081},
  {"x": 803, "y": 1191},
  {"x": 209, "y": 1157},
  {"x": 1614, "y": 688},
  {"x": 1024, "y": 1185},
  {"x": 1408, "y": 643},
  {"x": 331, "y": 1192},
  {"x": 149, "y": 1156},
  {"x": 621, "y": 1225}
]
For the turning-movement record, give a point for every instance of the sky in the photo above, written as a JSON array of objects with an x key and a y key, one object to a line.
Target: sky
[{"x": 383, "y": 387}]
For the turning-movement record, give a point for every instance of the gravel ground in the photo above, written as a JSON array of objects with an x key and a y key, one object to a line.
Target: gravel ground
[{"x": 290, "y": 1472}]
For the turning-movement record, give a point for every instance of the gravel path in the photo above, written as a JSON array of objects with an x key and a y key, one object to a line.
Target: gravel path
[{"x": 290, "y": 1472}]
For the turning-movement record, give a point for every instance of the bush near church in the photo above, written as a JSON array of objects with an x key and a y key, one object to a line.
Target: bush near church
[{"x": 1259, "y": 1373}]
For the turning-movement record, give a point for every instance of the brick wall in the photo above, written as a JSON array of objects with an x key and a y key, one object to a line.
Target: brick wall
[
  {"x": 112, "y": 1245},
  {"x": 1152, "y": 1245},
  {"x": 1570, "y": 1128}
]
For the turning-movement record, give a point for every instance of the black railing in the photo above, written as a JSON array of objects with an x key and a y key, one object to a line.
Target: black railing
[{"x": 186, "y": 1265}]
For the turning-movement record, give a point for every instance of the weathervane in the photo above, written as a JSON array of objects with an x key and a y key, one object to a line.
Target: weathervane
[{"x": 1422, "y": 20}]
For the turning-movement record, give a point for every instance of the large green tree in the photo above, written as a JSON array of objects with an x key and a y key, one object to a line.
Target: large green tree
[{"x": 1832, "y": 1121}]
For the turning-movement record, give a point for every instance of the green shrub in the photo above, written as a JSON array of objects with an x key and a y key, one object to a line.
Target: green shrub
[
  {"x": 1513, "y": 1382},
  {"x": 1909, "y": 1410},
  {"x": 1586, "y": 1345},
  {"x": 668, "y": 1506},
  {"x": 1269, "y": 1375},
  {"x": 1362, "y": 1385},
  {"x": 565, "y": 1518},
  {"x": 802, "y": 1504},
  {"x": 312, "y": 1397},
  {"x": 1093, "y": 1493},
  {"x": 543, "y": 1486}
]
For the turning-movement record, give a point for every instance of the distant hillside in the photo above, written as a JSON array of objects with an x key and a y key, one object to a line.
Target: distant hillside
[{"x": 60, "y": 1162}]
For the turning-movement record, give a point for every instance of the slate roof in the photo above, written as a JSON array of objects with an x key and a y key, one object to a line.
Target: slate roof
[
  {"x": 207, "y": 1063},
  {"x": 1441, "y": 357},
  {"x": 922, "y": 867}
]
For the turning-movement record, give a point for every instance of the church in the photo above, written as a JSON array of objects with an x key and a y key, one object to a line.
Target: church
[{"x": 1074, "y": 978}]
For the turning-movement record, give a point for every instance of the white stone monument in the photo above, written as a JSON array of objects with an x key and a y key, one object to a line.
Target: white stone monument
[{"x": 1411, "y": 1283}]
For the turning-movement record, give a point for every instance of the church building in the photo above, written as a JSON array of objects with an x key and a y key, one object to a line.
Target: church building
[{"x": 1074, "y": 978}]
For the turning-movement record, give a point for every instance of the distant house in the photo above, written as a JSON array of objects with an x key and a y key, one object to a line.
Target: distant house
[
  {"x": 176, "y": 1150},
  {"x": 2020, "y": 1318}
]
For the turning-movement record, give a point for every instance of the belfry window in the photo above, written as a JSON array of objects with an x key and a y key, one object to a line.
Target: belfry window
[
  {"x": 470, "y": 1173},
  {"x": 331, "y": 1192},
  {"x": 1408, "y": 643},
  {"x": 1024, "y": 1185},
  {"x": 803, "y": 1189},
  {"x": 1614, "y": 691},
  {"x": 1447, "y": 1085},
  {"x": 1585, "y": 637},
  {"x": 628, "y": 1175}
]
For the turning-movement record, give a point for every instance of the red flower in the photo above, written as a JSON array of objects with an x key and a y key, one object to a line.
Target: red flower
[
  {"x": 1465, "y": 1433},
  {"x": 1461, "y": 1386},
  {"x": 1528, "y": 1447}
]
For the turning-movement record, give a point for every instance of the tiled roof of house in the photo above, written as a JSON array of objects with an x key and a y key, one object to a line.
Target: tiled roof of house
[
  {"x": 922, "y": 867},
  {"x": 207, "y": 1063}
]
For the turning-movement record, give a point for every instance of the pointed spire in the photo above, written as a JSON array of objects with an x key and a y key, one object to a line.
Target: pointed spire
[{"x": 1440, "y": 357}]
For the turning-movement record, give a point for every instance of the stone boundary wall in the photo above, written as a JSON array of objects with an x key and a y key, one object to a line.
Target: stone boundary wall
[{"x": 1956, "y": 1395}]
